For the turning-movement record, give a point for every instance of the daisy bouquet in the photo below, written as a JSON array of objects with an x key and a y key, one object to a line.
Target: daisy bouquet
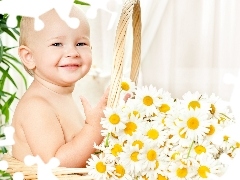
[{"x": 154, "y": 136}]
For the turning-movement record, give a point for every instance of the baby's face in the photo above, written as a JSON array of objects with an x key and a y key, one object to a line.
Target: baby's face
[{"x": 62, "y": 55}]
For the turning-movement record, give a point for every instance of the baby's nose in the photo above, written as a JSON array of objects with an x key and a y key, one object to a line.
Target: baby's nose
[{"x": 72, "y": 52}]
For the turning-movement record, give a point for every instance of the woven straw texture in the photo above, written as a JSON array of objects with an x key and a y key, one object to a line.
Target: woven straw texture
[{"x": 131, "y": 11}]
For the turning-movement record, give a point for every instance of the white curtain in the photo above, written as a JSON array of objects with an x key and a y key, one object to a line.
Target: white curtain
[{"x": 187, "y": 45}]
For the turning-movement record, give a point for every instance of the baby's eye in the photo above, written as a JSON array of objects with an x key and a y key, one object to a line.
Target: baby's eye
[
  {"x": 81, "y": 44},
  {"x": 56, "y": 44}
]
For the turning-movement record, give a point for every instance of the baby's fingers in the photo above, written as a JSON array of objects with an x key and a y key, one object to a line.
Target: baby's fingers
[
  {"x": 103, "y": 100},
  {"x": 86, "y": 105}
]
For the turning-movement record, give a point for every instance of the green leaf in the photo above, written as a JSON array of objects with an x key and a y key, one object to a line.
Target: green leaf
[
  {"x": 3, "y": 150},
  {"x": 6, "y": 75},
  {"x": 81, "y": 3},
  {"x": 16, "y": 31},
  {"x": 2, "y": 136},
  {"x": 1, "y": 50},
  {"x": 5, "y": 108},
  {"x": 1, "y": 94},
  {"x": 7, "y": 94},
  {"x": 10, "y": 33},
  {"x": 19, "y": 71},
  {"x": 5, "y": 48},
  {"x": 9, "y": 56}
]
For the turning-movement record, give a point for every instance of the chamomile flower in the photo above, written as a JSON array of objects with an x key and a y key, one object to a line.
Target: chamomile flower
[
  {"x": 98, "y": 168},
  {"x": 153, "y": 136},
  {"x": 120, "y": 173},
  {"x": 207, "y": 166},
  {"x": 178, "y": 171},
  {"x": 114, "y": 119},
  {"x": 177, "y": 136},
  {"x": 148, "y": 98},
  {"x": 227, "y": 142},
  {"x": 213, "y": 128},
  {"x": 132, "y": 125},
  {"x": 149, "y": 156},
  {"x": 130, "y": 158},
  {"x": 166, "y": 106},
  {"x": 159, "y": 169},
  {"x": 133, "y": 107},
  {"x": 138, "y": 140},
  {"x": 127, "y": 86},
  {"x": 115, "y": 147},
  {"x": 194, "y": 101},
  {"x": 203, "y": 147},
  {"x": 155, "y": 131},
  {"x": 194, "y": 123}
]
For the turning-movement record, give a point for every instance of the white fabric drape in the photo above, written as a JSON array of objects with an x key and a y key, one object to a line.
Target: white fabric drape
[
  {"x": 193, "y": 45},
  {"x": 187, "y": 45}
]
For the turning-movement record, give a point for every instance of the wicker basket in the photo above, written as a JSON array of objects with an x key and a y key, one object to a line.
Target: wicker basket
[{"x": 131, "y": 10}]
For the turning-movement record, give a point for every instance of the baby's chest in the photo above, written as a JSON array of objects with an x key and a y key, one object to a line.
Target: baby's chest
[{"x": 71, "y": 122}]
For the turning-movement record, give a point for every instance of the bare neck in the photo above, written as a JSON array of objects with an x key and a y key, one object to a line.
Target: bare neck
[{"x": 62, "y": 90}]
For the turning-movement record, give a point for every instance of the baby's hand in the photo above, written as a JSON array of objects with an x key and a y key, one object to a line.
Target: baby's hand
[{"x": 94, "y": 115}]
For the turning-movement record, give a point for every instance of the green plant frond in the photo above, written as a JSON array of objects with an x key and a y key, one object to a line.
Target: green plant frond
[
  {"x": 2, "y": 94},
  {"x": 2, "y": 136},
  {"x": 5, "y": 107},
  {"x": 4, "y": 76},
  {"x": 11, "y": 57},
  {"x": 81, "y": 3},
  {"x": 5, "y": 48},
  {"x": 18, "y": 70},
  {"x": 9, "y": 32},
  {"x": 16, "y": 31},
  {"x": 1, "y": 50},
  {"x": 4, "y": 150}
]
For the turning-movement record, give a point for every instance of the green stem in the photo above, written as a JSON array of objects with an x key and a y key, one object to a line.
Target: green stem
[
  {"x": 107, "y": 139},
  {"x": 190, "y": 149}
]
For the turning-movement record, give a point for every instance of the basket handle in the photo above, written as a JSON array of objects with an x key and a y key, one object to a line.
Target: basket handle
[{"x": 131, "y": 8}]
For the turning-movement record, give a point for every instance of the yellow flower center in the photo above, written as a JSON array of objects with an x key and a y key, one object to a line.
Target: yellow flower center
[
  {"x": 153, "y": 134},
  {"x": 151, "y": 155},
  {"x": 225, "y": 138},
  {"x": 194, "y": 105},
  {"x": 130, "y": 128},
  {"x": 135, "y": 113},
  {"x": 134, "y": 156},
  {"x": 160, "y": 177},
  {"x": 182, "y": 172},
  {"x": 114, "y": 119},
  {"x": 174, "y": 155},
  {"x": 120, "y": 171},
  {"x": 125, "y": 86},
  {"x": 117, "y": 148},
  {"x": 211, "y": 130},
  {"x": 237, "y": 145},
  {"x": 148, "y": 100},
  {"x": 193, "y": 123},
  {"x": 144, "y": 177},
  {"x": 164, "y": 108},
  {"x": 182, "y": 135},
  {"x": 139, "y": 143},
  {"x": 157, "y": 165},
  {"x": 213, "y": 109},
  {"x": 101, "y": 167},
  {"x": 202, "y": 171},
  {"x": 200, "y": 149}
]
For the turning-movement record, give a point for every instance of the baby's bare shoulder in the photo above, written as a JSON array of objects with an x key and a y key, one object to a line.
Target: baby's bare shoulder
[{"x": 30, "y": 107}]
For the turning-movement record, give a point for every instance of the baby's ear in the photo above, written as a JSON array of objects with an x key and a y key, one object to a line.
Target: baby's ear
[{"x": 26, "y": 56}]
